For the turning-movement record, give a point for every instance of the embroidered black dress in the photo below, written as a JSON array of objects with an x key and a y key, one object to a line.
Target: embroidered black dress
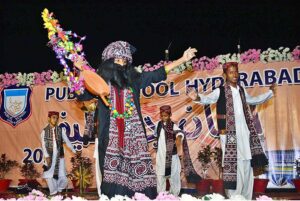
[{"x": 127, "y": 170}]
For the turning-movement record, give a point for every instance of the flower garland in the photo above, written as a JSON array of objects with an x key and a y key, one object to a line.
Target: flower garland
[
  {"x": 203, "y": 63},
  {"x": 38, "y": 195},
  {"x": 296, "y": 53},
  {"x": 250, "y": 56},
  {"x": 147, "y": 67},
  {"x": 66, "y": 49},
  {"x": 162, "y": 196},
  {"x": 128, "y": 106},
  {"x": 30, "y": 79}
]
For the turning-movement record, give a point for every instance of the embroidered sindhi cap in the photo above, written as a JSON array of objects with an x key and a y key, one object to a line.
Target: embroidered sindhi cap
[
  {"x": 228, "y": 64},
  {"x": 166, "y": 109},
  {"x": 51, "y": 113},
  {"x": 119, "y": 50}
]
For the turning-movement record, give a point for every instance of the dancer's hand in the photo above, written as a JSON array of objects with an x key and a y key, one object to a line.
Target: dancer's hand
[{"x": 189, "y": 54}]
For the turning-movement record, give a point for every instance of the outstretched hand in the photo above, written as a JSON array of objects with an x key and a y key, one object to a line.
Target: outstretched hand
[{"x": 189, "y": 54}]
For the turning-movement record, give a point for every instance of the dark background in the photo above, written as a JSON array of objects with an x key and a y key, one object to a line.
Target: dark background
[{"x": 213, "y": 27}]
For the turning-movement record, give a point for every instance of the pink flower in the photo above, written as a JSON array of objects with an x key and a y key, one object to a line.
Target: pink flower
[
  {"x": 14, "y": 80},
  {"x": 205, "y": 63},
  {"x": 8, "y": 79},
  {"x": 38, "y": 79},
  {"x": 251, "y": 55},
  {"x": 263, "y": 197},
  {"x": 48, "y": 75},
  {"x": 147, "y": 67},
  {"x": 166, "y": 196},
  {"x": 140, "y": 196},
  {"x": 296, "y": 53},
  {"x": 57, "y": 198},
  {"x": 29, "y": 197},
  {"x": 8, "y": 76},
  {"x": 36, "y": 192}
]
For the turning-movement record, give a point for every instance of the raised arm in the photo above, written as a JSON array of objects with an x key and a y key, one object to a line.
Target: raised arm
[
  {"x": 147, "y": 78},
  {"x": 255, "y": 100}
]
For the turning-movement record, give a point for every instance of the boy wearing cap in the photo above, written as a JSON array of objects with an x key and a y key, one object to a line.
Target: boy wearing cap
[
  {"x": 52, "y": 138},
  {"x": 172, "y": 143},
  {"x": 240, "y": 144},
  {"x": 168, "y": 145}
]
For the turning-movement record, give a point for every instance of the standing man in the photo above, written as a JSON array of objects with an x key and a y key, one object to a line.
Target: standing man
[{"x": 241, "y": 147}]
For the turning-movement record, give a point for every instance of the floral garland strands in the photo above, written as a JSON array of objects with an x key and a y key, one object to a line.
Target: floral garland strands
[
  {"x": 129, "y": 103},
  {"x": 61, "y": 43}
]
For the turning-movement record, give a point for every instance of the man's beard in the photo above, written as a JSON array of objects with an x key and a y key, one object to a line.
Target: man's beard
[{"x": 117, "y": 75}]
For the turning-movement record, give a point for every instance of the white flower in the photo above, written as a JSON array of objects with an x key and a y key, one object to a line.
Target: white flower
[
  {"x": 103, "y": 198},
  {"x": 57, "y": 198},
  {"x": 36, "y": 192},
  {"x": 263, "y": 58},
  {"x": 55, "y": 77},
  {"x": 78, "y": 198},
  {"x": 30, "y": 79},
  {"x": 286, "y": 49},
  {"x": 120, "y": 198},
  {"x": 22, "y": 79},
  {"x": 237, "y": 198},
  {"x": 179, "y": 68},
  {"x": 188, "y": 63},
  {"x": 222, "y": 59},
  {"x": 290, "y": 57},
  {"x": 188, "y": 197}
]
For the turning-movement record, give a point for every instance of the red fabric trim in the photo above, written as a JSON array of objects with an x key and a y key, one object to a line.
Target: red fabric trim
[{"x": 120, "y": 121}]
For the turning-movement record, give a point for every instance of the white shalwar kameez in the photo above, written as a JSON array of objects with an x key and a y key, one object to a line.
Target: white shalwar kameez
[
  {"x": 97, "y": 168},
  {"x": 61, "y": 183},
  {"x": 174, "y": 179},
  {"x": 245, "y": 177}
]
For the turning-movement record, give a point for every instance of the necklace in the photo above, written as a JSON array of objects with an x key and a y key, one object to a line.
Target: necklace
[{"x": 128, "y": 106}]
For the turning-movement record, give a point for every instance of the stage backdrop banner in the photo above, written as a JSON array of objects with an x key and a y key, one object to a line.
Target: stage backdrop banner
[{"x": 24, "y": 110}]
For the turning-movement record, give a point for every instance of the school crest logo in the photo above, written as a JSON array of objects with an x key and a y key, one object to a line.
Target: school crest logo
[{"x": 15, "y": 105}]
